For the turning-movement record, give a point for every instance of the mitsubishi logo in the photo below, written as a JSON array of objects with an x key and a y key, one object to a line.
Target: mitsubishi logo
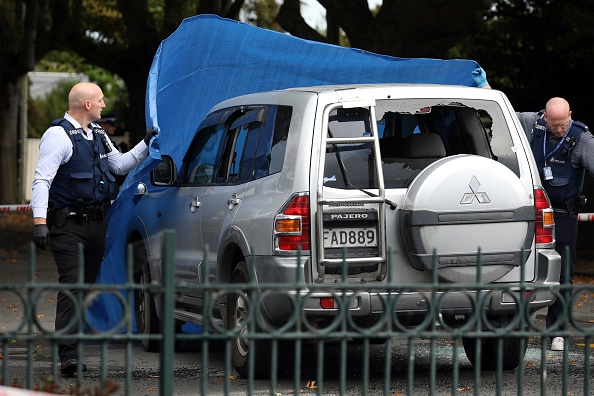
[{"x": 481, "y": 197}]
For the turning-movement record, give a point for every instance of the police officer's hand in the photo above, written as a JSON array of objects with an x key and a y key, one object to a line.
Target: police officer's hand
[
  {"x": 480, "y": 77},
  {"x": 149, "y": 134},
  {"x": 41, "y": 236}
]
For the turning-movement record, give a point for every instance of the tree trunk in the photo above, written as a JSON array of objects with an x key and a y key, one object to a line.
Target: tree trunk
[
  {"x": 137, "y": 92},
  {"x": 17, "y": 57},
  {"x": 9, "y": 109}
]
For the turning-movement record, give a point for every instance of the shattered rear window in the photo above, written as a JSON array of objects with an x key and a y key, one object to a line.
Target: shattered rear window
[{"x": 448, "y": 127}]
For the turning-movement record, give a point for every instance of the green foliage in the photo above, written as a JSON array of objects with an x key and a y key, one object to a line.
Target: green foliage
[
  {"x": 107, "y": 45},
  {"x": 534, "y": 50},
  {"x": 43, "y": 110},
  {"x": 60, "y": 61},
  {"x": 9, "y": 11}
]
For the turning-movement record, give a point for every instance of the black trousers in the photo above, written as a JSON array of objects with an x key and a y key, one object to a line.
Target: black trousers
[
  {"x": 566, "y": 231},
  {"x": 65, "y": 248}
]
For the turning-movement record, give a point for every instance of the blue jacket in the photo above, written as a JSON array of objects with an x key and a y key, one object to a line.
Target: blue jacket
[
  {"x": 86, "y": 175},
  {"x": 567, "y": 182}
]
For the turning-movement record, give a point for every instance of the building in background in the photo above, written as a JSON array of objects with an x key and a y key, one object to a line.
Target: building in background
[{"x": 41, "y": 83}]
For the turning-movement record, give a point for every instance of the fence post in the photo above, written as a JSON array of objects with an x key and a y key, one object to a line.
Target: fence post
[{"x": 167, "y": 322}]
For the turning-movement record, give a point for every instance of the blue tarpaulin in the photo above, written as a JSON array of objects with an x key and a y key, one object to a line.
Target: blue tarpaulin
[{"x": 209, "y": 59}]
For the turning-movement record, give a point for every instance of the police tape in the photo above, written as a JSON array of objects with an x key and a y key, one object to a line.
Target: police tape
[
  {"x": 585, "y": 216},
  {"x": 14, "y": 208}
]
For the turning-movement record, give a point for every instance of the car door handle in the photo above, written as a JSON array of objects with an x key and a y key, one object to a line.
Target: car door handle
[
  {"x": 233, "y": 201},
  {"x": 195, "y": 204}
]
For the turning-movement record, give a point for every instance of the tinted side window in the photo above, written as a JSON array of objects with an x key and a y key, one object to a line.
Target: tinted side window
[
  {"x": 235, "y": 165},
  {"x": 245, "y": 147},
  {"x": 254, "y": 144},
  {"x": 259, "y": 148},
  {"x": 200, "y": 160},
  {"x": 275, "y": 146}
]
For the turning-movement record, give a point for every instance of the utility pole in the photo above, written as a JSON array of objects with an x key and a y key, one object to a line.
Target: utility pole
[{"x": 22, "y": 139}]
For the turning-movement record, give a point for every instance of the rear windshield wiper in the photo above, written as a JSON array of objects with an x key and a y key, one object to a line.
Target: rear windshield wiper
[{"x": 347, "y": 181}]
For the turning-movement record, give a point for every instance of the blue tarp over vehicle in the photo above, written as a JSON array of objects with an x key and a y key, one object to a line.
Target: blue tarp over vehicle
[{"x": 209, "y": 59}]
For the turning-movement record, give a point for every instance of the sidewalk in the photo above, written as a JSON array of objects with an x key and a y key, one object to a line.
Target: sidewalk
[
  {"x": 15, "y": 270},
  {"x": 584, "y": 263}
]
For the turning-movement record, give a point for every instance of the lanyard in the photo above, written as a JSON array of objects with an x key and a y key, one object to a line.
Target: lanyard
[{"x": 544, "y": 146}]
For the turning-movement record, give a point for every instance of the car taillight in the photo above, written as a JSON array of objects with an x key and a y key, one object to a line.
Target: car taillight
[
  {"x": 292, "y": 225},
  {"x": 545, "y": 219}
]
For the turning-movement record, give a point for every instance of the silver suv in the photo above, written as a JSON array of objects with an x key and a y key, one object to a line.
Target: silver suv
[{"x": 402, "y": 183}]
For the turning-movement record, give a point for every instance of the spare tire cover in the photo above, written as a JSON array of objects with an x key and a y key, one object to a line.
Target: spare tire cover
[{"x": 461, "y": 204}]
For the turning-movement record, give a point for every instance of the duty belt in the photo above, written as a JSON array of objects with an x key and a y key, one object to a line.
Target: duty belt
[
  {"x": 572, "y": 205},
  {"x": 79, "y": 210},
  {"x": 90, "y": 213}
]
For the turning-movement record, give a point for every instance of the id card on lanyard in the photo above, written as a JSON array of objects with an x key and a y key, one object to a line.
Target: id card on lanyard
[{"x": 548, "y": 172}]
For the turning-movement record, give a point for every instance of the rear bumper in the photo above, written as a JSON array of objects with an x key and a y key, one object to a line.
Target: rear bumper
[{"x": 411, "y": 305}]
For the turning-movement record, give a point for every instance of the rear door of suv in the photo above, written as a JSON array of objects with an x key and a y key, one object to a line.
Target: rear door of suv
[{"x": 482, "y": 201}]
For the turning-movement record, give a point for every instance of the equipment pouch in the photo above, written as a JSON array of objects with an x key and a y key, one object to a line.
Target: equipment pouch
[
  {"x": 582, "y": 202},
  {"x": 575, "y": 204},
  {"x": 60, "y": 216},
  {"x": 50, "y": 214}
]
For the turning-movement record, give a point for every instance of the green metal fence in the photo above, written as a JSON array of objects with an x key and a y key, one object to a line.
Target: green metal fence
[{"x": 341, "y": 358}]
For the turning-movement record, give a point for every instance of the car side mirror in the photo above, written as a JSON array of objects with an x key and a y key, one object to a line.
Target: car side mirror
[{"x": 165, "y": 174}]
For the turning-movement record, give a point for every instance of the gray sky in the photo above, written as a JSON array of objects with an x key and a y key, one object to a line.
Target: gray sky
[{"x": 314, "y": 14}]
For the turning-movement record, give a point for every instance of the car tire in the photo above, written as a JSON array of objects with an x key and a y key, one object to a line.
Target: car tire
[
  {"x": 147, "y": 321},
  {"x": 512, "y": 353},
  {"x": 237, "y": 316}
]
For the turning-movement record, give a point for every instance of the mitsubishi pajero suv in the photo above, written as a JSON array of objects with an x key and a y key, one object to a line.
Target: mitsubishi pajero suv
[{"x": 381, "y": 186}]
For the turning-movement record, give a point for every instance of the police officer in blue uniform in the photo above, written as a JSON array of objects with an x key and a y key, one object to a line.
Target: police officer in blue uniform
[
  {"x": 72, "y": 192},
  {"x": 563, "y": 149}
]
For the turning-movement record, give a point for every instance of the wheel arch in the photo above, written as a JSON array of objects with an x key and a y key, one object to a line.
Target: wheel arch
[
  {"x": 137, "y": 230},
  {"x": 233, "y": 249},
  {"x": 134, "y": 238}
]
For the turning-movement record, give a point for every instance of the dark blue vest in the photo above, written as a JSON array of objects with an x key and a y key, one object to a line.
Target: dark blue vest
[
  {"x": 567, "y": 182},
  {"x": 86, "y": 175}
]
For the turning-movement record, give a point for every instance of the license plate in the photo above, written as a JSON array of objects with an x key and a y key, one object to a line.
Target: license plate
[{"x": 350, "y": 237}]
